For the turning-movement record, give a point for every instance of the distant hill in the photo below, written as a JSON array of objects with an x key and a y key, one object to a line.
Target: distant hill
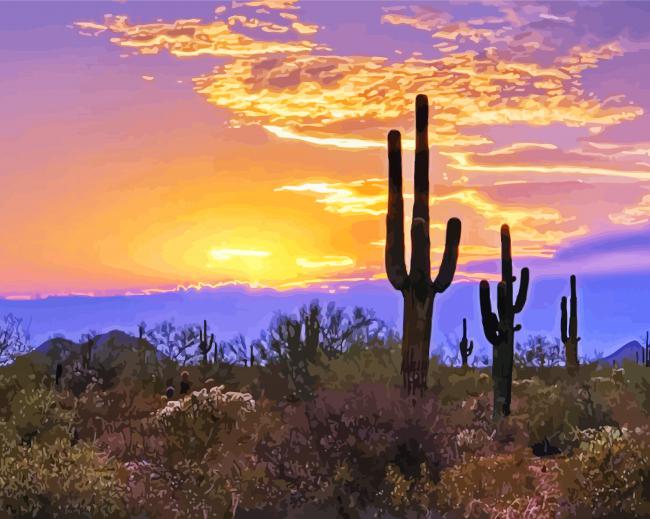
[
  {"x": 631, "y": 351},
  {"x": 107, "y": 348}
]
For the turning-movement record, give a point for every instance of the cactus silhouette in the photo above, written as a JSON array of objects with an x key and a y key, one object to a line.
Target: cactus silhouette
[
  {"x": 59, "y": 374},
  {"x": 205, "y": 345},
  {"x": 647, "y": 350},
  {"x": 416, "y": 286},
  {"x": 86, "y": 353},
  {"x": 500, "y": 331},
  {"x": 465, "y": 349},
  {"x": 185, "y": 383},
  {"x": 570, "y": 339}
]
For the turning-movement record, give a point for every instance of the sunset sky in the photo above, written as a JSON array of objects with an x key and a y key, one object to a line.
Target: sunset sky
[{"x": 151, "y": 145}]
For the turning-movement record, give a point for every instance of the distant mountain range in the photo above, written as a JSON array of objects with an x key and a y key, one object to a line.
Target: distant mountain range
[{"x": 632, "y": 351}]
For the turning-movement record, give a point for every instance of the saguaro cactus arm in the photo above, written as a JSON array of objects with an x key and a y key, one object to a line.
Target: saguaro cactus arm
[
  {"x": 471, "y": 348},
  {"x": 488, "y": 317},
  {"x": 523, "y": 291},
  {"x": 449, "y": 257},
  {"x": 563, "y": 320},
  {"x": 395, "y": 265}
]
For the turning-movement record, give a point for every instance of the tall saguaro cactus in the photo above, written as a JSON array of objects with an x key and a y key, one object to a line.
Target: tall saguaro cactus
[
  {"x": 647, "y": 349},
  {"x": 500, "y": 331},
  {"x": 570, "y": 339},
  {"x": 465, "y": 348},
  {"x": 416, "y": 286}
]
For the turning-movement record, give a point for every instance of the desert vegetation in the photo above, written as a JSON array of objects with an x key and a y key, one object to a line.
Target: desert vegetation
[{"x": 321, "y": 428}]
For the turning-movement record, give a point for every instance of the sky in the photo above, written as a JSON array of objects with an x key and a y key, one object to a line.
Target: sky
[{"x": 151, "y": 146}]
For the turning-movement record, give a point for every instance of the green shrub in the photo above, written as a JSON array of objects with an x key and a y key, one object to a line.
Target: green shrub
[{"x": 52, "y": 478}]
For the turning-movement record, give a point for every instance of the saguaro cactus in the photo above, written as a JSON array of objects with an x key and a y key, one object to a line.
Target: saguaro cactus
[
  {"x": 500, "y": 331},
  {"x": 465, "y": 349},
  {"x": 647, "y": 350},
  {"x": 205, "y": 345},
  {"x": 571, "y": 339},
  {"x": 416, "y": 286}
]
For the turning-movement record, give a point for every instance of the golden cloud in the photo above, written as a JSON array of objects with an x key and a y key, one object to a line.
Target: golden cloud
[
  {"x": 327, "y": 97},
  {"x": 269, "y": 4},
  {"x": 351, "y": 101},
  {"x": 190, "y": 37},
  {"x": 325, "y": 262},
  {"x": 303, "y": 28},
  {"x": 538, "y": 230},
  {"x": 425, "y": 18},
  {"x": 463, "y": 161},
  {"x": 346, "y": 198},
  {"x": 633, "y": 215}
]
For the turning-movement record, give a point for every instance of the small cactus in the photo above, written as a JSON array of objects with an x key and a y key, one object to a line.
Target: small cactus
[
  {"x": 570, "y": 339},
  {"x": 205, "y": 345},
  {"x": 500, "y": 331},
  {"x": 647, "y": 350},
  {"x": 465, "y": 348}
]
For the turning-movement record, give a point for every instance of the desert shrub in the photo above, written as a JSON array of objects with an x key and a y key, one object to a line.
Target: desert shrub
[
  {"x": 635, "y": 397},
  {"x": 399, "y": 494},
  {"x": 37, "y": 415},
  {"x": 348, "y": 439},
  {"x": 495, "y": 486},
  {"x": 55, "y": 479},
  {"x": 458, "y": 385},
  {"x": 378, "y": 365},
  {"x": 609, "y": 473},
  {"x": 207, "y": 456},
  {"x": 555, "y": 412},
  {"x": 44, "y": 470}
]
